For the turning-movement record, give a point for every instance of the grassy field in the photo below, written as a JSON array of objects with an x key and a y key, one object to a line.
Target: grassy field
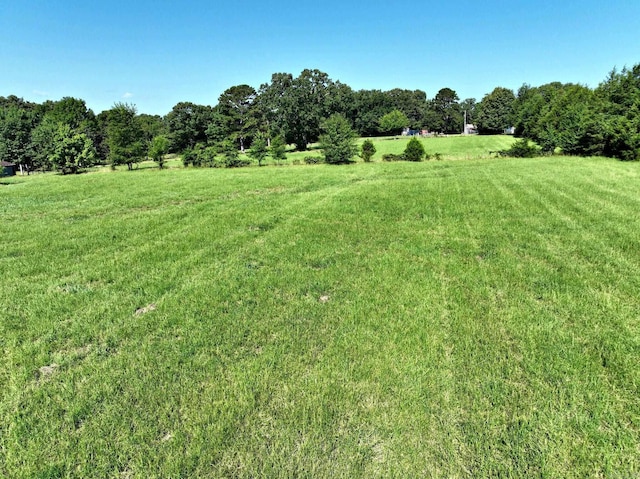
[
  {"x": 449, "y": 147},
  {"x": 439, "y": 319},
  {"x": 452, "y": 147}
]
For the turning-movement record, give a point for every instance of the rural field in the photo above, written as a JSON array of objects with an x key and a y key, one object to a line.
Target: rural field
[
  {"x": 448, "y": 318},
  {"x": 449, "y": 147}
]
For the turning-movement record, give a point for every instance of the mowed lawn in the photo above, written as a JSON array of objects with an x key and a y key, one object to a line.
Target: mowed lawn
[
  {"x": 451, "y": 147},
  {"x": 440, "y": 319}
]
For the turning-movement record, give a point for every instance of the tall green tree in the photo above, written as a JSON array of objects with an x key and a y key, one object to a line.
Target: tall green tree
[
  {"x": 468, "y": 107},
  {"x": 338, "y": 140},
  {"x": 413, "y": 103},
  {"x": 269, "y": 106},
  {"x": 43, "y": 142},
  {"x": 304, "y": 106},
  {"x": 235, "y": 105},
  {"x": 278, "y": 149},
  {"x": 16, "y": 125},
  {"x": 158, "y": 148},
  {"x": 620, "y": 96},
  {"x": 445, "y": 114},
  {"x": 72, "y": 150},
  {"x": 573, "y": 122},
  {"x": 370, "y": 106},
  {"x": 124, "y": 136},
  {"x": 393, "y": 122},
  {"x": 187, "y": 124},
  {"x": 152, "y": 126},
  {"x": 73, "y": 112},
  {"x": 259, "y": 149},
  {"x": 530, "y": 105},
  {"x": 496, "y": 111}
]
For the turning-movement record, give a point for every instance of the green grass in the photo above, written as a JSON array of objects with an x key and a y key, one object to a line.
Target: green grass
[
  {"x": 449, "y": 147},
  {"x": 438, "y": 319},
  {"x": 453, "y": 147}
]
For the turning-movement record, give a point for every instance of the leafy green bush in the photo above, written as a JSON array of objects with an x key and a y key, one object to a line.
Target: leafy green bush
[
  {"x": 367, "y": 150},
  {"x": 259, "y": 149},
  {"x": 278, "y": 149},
  {"x": 158, "y": 148},
  {"x": 392, "y": 157},
  {"x": 312, "y": 160},
  {"x": 393, "y": 122},
  {"x": 338, "y": 140},
  {"x": 233, "y": 162},
  {"x": 521, "y": 149},
  {"x": 414, "y": 150},
  {"x": 189, "y": 157}
]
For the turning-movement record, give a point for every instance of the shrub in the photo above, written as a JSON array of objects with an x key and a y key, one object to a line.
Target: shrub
[
  {"x": 207, "y": 157},
  {"x": 259, "y": 149},
  {"x": 312, "y": 160},
  {"x": 414, "y": 150},
  {"x": 189, "y": 157},
  {"x": 437, "y": 156},
  {"x": 393, "y": 122},
  {"x": 158, "y": 149},
  {"x": 367, "y": 150},
  {"x": 278, "y": 149},
  {"x": 338, "y": 140},
  {"x": 234, "y": 162},
  {"x": 521, "y": 149},
  {"x": 392, "y": 157}
]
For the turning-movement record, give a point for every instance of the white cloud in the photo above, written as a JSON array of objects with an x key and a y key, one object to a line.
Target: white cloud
[
  {"x": 127, "y": 95},
  {"x": 40, "y": 93}
]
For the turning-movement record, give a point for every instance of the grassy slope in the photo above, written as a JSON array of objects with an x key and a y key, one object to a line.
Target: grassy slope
[
  {"x": 394, "y": 320},
  {"x": 454, "y": 147},
  {"x": 449, "y": 147}
]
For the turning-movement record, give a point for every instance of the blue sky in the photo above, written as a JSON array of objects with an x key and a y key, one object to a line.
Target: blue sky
[{"x": 155, "y": 54}]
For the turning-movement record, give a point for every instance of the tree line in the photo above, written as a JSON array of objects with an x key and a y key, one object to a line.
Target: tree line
[{"x": 67, "y": 136}]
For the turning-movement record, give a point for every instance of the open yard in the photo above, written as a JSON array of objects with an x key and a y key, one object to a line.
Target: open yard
[
  {"x": 452, "y": 147},
  {"x": 439, "y": 319}
]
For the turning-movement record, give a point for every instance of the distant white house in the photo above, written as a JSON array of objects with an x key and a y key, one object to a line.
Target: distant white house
[{"x": 470, "y": 129}]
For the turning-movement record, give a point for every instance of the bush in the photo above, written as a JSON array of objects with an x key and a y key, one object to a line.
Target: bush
[
  {"x": 259, "y": 149},
  {"x": 414, "y": 150},
  {"x": 338, "y": 140},
  {"x": 158, "y": 149},
  {"x": 207, "y": 157},
  {"x": 367, "y": 150},
  {"x": 189, "y": 157},
  {"x": 234, "y": 162},
  {"x": 521, "y": 149},
  {"x": 392, "y": 157},
  {"x": 437, "y": 156},
  {"x": 278, "y": 149},
  {"x": 312, "y": 160}
]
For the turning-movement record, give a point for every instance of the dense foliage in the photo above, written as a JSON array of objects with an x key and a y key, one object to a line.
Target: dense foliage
[
  {"x": 570, "y": 118},
  {"x": 367, "y": 150},
  {"x": 338, "y": 140},
  {"x": 414, "y": 150}
]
